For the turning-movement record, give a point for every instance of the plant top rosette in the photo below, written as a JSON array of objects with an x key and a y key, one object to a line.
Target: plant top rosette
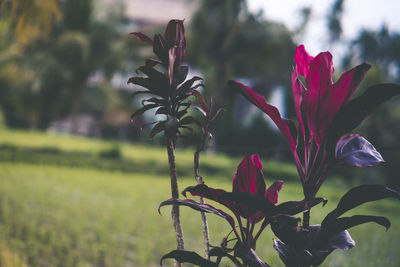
[{"x": 325, "y": 112}]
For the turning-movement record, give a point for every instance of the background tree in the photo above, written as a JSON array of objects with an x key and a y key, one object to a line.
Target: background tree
[{"x": 222, "y": 33}]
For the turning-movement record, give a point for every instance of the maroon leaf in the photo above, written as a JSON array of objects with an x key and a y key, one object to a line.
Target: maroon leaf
[
  {"x": 161, "y": 49},
  {"x": 142, "y": 37},
  {"x": 186, "y": 86},
  {"x": 249, "y": 177},
  {"x": 144, "y": 109},
  {"x": 294, "y": 207},
  {"x": 272, "y": 192},
  {"x": 200, "y": 207},
  {"x": 354, "y": 112},
  {"x": 292, "y": 257},
  {"x": 357, "y": 151},
  {"x": 189, "y": 257},
  {"x": 345, "y": 223},
  {"x": 217, "y": 113},
  {"x": 357, "y": 196},
  {"x": 203, "y": 190},
  {"x": 249, "y": 256},
  {"x": 201, "y": 100}
]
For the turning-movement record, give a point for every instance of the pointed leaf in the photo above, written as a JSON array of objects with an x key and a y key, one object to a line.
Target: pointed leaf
[
  {"x": 357, "y": 151},
  {"x": 143, "y": 37},
  {"x": 144, "y": 109},
  {"x": 354, "y": 112},
  {"x": 182, "y": 74},
  {"x": 345, "y": 223},
  {"x": 292, "y": 257},
  {"x": 252, "y": 202},
  {"x": 200, "y": 110},
  {"x": 162, "y": 110},
  {"x": 341, "y": 240},
  {"x": 217, "y": 113},
  {"x": 294, "y": 207},
  {"x": 160, "y": 48},
  {"x": 202, "y": 102},
  {"x": 199, "y": 207},
  {"x": 285, "y": 126},
  {"x": 188, "y": 120},
  {"x": 188, "y": 256},
  {"x": 154, "y": 100},
  {"x": 203, "y": 190},
  {"x": 219, "y": 252},
  {"x": 140, "y": 92},
  {"x": 249, "y": 256},
  {"x": 357, "y": 196},
  {"x": 159, "y": 127}
]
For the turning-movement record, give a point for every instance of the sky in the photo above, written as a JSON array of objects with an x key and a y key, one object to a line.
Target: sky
[{"x": 357, "y": 14}]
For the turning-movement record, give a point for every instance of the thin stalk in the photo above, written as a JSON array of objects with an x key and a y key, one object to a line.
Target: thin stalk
[
  {"x": 262, "y": 227},
  {"x": 175, "y": 194},
  {"x": 199, "y": 180}
]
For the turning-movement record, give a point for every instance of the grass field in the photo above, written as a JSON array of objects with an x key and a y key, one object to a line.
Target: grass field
[{"x": 63, "y": 204}]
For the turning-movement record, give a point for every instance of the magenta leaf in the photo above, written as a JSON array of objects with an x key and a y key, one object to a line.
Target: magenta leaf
[
  {"x": 357, "y": 151},
  {"x": 189, "y": 257},
  {"x": 287, "y": 127},
  {"x": 302, "y": 59},
  {"x": 249, "y": 177},
  {"x": 272, "y": 192}
]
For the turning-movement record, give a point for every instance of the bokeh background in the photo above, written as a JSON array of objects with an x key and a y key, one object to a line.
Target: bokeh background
[{"x": 80, "y": 182}]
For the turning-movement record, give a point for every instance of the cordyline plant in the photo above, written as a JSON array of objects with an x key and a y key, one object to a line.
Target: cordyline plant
[
  {"x": 165, "y": 80},
  {"x": 325, "y": 113}
]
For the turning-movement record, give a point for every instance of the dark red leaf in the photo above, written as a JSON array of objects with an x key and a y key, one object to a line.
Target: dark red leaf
[
  {"x": 357, "y": 196},
  {"x": 142, "y": 37},
  {"x": 345, "y": 223},
  {"x": 200, "y": 207},
  {"x": 294, "y": 207},
  {"x": 249, "y": 256},
  {"x": 354, "y": 112},
  {"x": 144, "y": 109},
  {"x": 202, "y": 102},
  {"x": 249, "y": 177},
  {"x": 217, "y": 113},
  {"x": 189, "y": 257},
  {"x": 292, "y": 257}
]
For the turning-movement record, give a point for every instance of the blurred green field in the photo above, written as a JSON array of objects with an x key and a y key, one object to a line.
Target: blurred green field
[{"x": 80, "y": 213}]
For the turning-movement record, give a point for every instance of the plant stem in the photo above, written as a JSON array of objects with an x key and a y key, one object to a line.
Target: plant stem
[
  {"x": 175, "y": 194},
  {"x": 199, "y": 180},
  {"x": 306, "y": 218}
]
